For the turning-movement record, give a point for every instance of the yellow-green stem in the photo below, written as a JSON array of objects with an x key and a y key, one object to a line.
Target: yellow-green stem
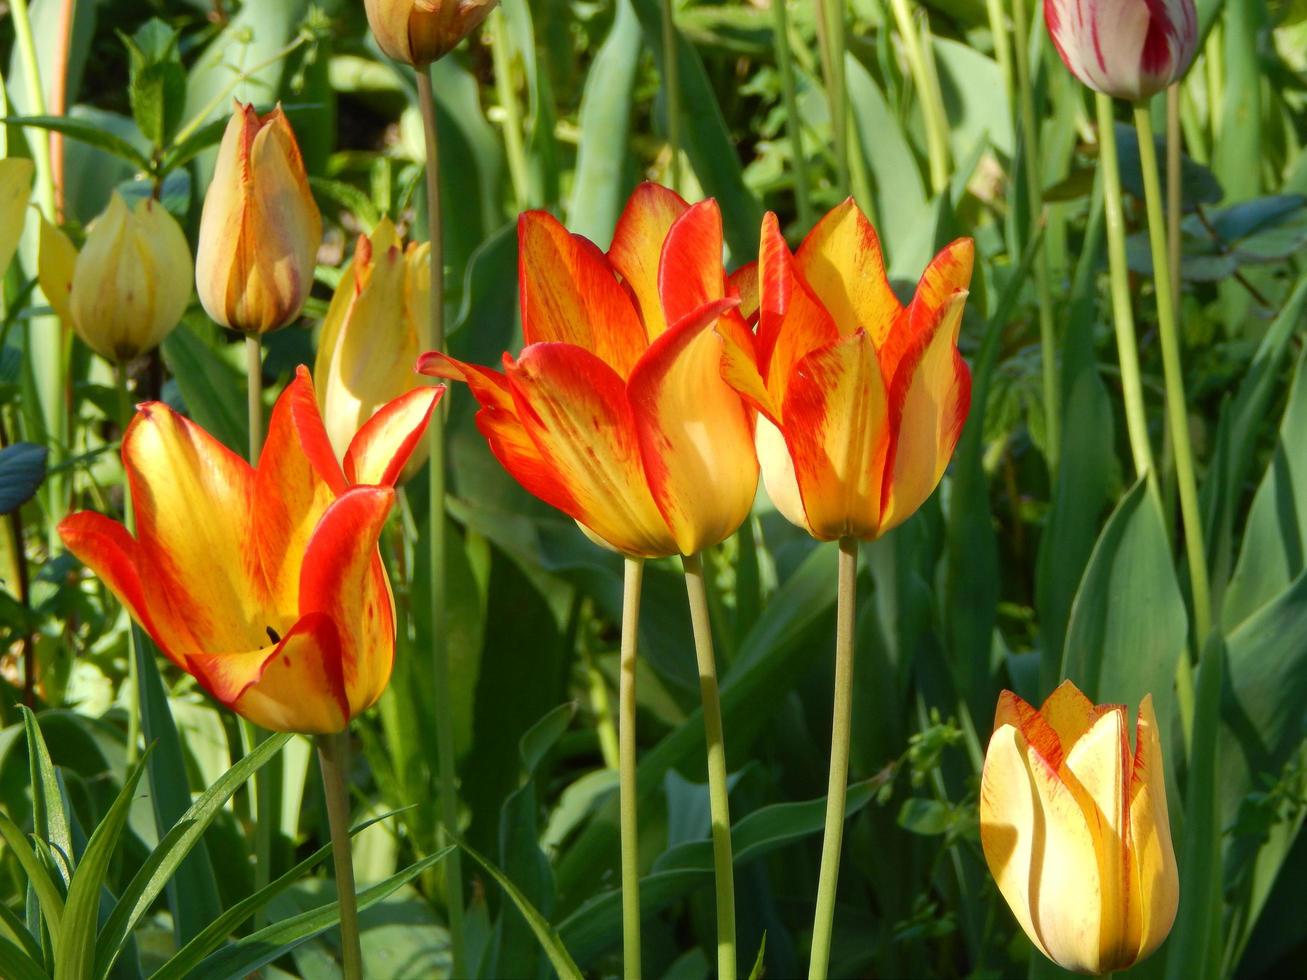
[
  {"x": 1173, "y": 187},
  {"x": 1127, "y": 346},
  {"x": 31, "y": 68},
  {"x": 830, "y": 38},
  {"x": 718, "y": 795},
  {"x": 254, "y": 394},
  {"x": 1002, "y": 47},
  {"x": 841, "y": 731},
  {"x": 1035, "y": 200},
  {"x": 506, "y": 90},
  {"x": 672, "y": 91},
  {"x": 447, "y": 777},
  {"x": 793, "y": 126},
  {"x": 1177, "y": 413},
  {"x": 927, "y": 84},
  {"x": 626, "y": 769},
  {"x": 333, "y": 756},
  {"x": 129, "y": 520}
]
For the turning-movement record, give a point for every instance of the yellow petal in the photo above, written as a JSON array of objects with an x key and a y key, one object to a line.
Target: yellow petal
[
  {"x": 842, "y": 263},
  {"x": 1068, "y": 712},
  {"x": 1155, "y": 885},
  {"x": 56, "y": 260},
  {"x": 778, "y": 473},
  {"x": 15, "y": 192}
]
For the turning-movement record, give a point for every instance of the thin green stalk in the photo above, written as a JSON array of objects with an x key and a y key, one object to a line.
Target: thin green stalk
[
  {"x": 129, "y": 519},
  {"x": 1035, "y": 199},
  {"x": 31, "y": 68},
  {"x": 626, "y": 767},
  {"x": 793, "y": 126},
  {"x": 1173, "y": 187},
  {"x": 718, "y": 795},
  {"x": 1002, "y": 46},
  {"x": 830, "y": 38},
  {"x": 672, "y": 90},
  {"x": 254, "y": 394},
  {"x": 841, "y": 732},
  {"x": 514, "y": 144},
  {"x": 333, "y": 756},
  {"x": 927, "y": 84},
  {"x": 1127, "y": 346},
  {"x": 1169, "y": 335},
  {"x": 447, "y": 776}
]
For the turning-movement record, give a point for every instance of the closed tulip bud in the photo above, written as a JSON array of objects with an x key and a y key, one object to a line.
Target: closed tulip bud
[
  {"x": 260, "y": 231},
  {"x": 1075, "y": 829},
  {"x": 418, "y": 32},
  {"x": 1128, "y": 49},
  {"x": 378, "y": 323},
  {"x": 130, "y": 284}
]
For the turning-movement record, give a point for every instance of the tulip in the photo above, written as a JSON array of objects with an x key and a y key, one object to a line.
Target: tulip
[
  {"x": 264, "y": 583},
  {"x": 862, "y": 398},
  {"x": 15, "y": 192},
  {"x": 130, "y": 284},
  {"x": 378, "y": 322},
  {"x": 1128, "y": 49},
  {"x": 260, "y": 229},
  {"x": 616, "y": 412},
  {"x": 1075, "y": 830},
  {"x": 418, "y": 32}
]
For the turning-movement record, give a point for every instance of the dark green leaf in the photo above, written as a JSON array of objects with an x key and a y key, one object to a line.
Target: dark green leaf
[
  {"x": 22, "y": 471},
  {"x": 88, "y": 133}
]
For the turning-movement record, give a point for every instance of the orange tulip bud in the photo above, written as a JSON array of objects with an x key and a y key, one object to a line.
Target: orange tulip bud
[
  {"x": 260, "y": 230},
  {"x": 862, "y": 399},
  {"x": 1075, "y": 829},
  {"x": 418, "y": 32},
  {"x": 378, "y": 322},
  {"x": 616, "y": 412},
  {"x": 263, "y": 582}
]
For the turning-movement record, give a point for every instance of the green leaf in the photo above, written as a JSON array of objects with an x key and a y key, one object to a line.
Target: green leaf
[
  {"x": 48, "y": 817},
  {"x": 544, "y": 734},
  {"x": 926, "y": 817},
  {"x": 18, "y": 964},
  {"x": 85, "y": 132},
  {"x": 349, "y": 199},
  {"x": 212, "y": 389},
  {"x": 22, "y": 471},
  {"x": 759, "y": 961},
  {"x": 75, "y": 943},
  {"x": 38, "y": 877},
  {"x": 157, "y": 81},
  {"x": 15, "y": 926}
]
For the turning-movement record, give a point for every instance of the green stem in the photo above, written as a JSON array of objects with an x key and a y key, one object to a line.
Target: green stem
[
  {"x": 830, "y": 37},
  {"x": 31, "y": 67},
  {"x": 627, "y": 769},
  {"x": 718, "y": 795},
  {"x": 927, "y": 84},
  {"x": 447, "y": 776},
  {"x": 129, "y": 520},
  {"x": 672, "y": 90},
  {"x": 1173, "y": 187},
  {"x": 1127, "y": 346},
  {"x": 1169, "y": 335},
  {"x": 1034, "y": 196},
  {"x": 841, "y": 733},
  {"x": 254, "y": 394},
  {"x": 1002, "y": 47},
  {"x": 793, "y": 126},
  {"x": 514, "y": 146},
  {"x": 333, "y": 756}
]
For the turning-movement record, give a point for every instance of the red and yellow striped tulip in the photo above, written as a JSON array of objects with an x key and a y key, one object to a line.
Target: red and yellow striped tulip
[
  {"x": 1128, "y": 49},
  {"x": 1075, "y": 829},
  {"x": 418, "y": 32},
  {"x": 862, "y": 398},
  {"x": 263, "y": 582},
  {"x": 260, "y": 229},
  {"x": 616, "y": 412}
]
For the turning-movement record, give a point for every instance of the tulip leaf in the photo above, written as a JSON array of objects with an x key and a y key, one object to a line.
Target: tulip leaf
[
  {"x": 38, "y": 877},
  {"x": 1198, "y": 185},
  {"x": 85, "y": 131},
  {"x": 212, "y": 390},
  {"x": 22, "y": 471},
  {"x": 49, "y": 819},
  {"x": 18, "y": 964}
]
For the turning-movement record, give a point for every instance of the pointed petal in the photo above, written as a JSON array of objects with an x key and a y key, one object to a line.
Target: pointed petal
[
  {"x": 570, "y": 295},
  {"x": 695, "y": 433},
  {"x": 1068, "y": 712},
  {"x": 576, "y": 411},
  {"x": 928, "y": 404},
  {"x": 1034, "y": 728},
  {"x": 291, "y": 686},
  {"x": 488, "y": 387},
  {"x": 56, "y": 260},
  {"x": 743, "y": 282},
  {"x": 948, "y": 273},
  {"x": 637, "y": 247},
  {"x": 778, "y": 474},
  {"x": 691, "y": 274},
  {"x": 1154, "y": 887},
  {"x": 835, "y": 425},
  {"x": 739, "y": 367},
  {"x": 342, "y": 577},
  {"x": 381, "y": 449},
  {"x": 15, "y": 192},
  {"x": 842, "y": 263}
]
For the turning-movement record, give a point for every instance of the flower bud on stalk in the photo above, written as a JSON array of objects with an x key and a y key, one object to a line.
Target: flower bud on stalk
[
  {"x": 1128, "y": 49},
  {"x": 418, "y": 32}
]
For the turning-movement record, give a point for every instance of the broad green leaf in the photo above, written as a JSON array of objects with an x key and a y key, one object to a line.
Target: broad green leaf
[
  {"x": 212, "y": 389},
  {"x": 17, "y": 963},
  {"x": 22, "y": 471}
]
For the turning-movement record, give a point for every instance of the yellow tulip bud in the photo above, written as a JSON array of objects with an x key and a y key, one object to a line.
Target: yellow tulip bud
[
  {"x": 260, "y": 230},
  {"x": 378, "y": 322},
  {"x": 1075, "y": 829},
  {"x": 15, "y": 192},
  {"x": 418, "y": 32},
  {"x": 130, "y": 284}
]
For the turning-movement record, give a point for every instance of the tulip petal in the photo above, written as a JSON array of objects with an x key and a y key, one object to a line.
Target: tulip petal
[
  {"x": 15, "y": 192},
  {"x": 928, "y": 404},
  {"x": 570, "y": 295},
  {"x": 739, "y": 365},
  {"x": 695, "y": 433},
  {"x": 343, "y": 578},
  {"x": 842, "y": 263},
  {"x": 835, "y": 425},
  {"x": 778, "y": 474},
  {"x": 948, "y": 273},
  {"x": 56, "y": 260},
  {"x": 488, "y": 387},
  {"x": 690, "y": 274},
  {"x": 637, "y": 247},
  {"x": 743, "y": 282},
  {"x": 575, "y": 408},
  {"x": 382, "y": 448},
  {"x": 294, "y": 685},
  {"x": 1068, "y": 712},
  {"x": 193, "y": 498},
  {"x": 1154, "y": 887}
]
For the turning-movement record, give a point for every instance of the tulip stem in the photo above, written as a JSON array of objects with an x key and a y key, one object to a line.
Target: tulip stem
[
  {"x": 830, "y": 39},
  {"x": 841, "y": 733},
  {"x": 672, "y": 92},
  {"x": 514, "y": 147},
  {"x": 129, "y": 521},
  {"x": 924, "y": 77},
  {"x": 626, "y": 769},
  {"x": 718, "y": 794},
  {"x": 333, "y": 756},
  {"x": 793, "y": 121},
  {"x": 1177, "y": 413},
  {"x": 254, "y": 394},
  {"x": 1127, "y": 346},
  {"x": 447, "y": 776}
]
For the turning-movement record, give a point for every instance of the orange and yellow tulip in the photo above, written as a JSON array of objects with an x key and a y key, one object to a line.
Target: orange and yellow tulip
[
  {"x": 616, "y": 412},
  {"x": 260, "y": 229},
  {"x": 418, "y": 32},
  {"x": 862, "y": 398},
  {"x": 263, "y": 582},
  {"x": 1075, "y": 829},
  {"x": 378, "y": 322},
  {"x": 128, "y": 287}
]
